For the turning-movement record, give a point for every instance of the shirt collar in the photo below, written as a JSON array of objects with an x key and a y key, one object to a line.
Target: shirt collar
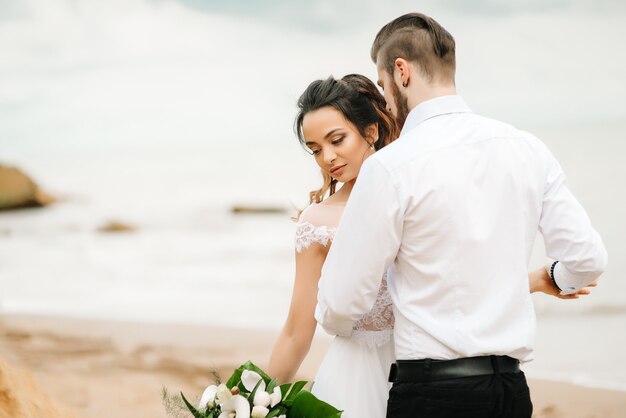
[{"x": 434, "y": 107}]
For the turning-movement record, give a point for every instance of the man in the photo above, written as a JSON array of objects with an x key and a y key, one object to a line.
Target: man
[{"x": 451, "y": 209}]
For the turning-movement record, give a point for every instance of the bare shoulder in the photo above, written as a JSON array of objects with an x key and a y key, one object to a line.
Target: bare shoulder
[
  {"x": 321, "y": 214},
  {"x": 316, "y": 225}
]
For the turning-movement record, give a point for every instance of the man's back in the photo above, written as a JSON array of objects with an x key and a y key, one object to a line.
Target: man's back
[
  {"x": 471, "y": 190},
  {"x": 459, "y": 199}
]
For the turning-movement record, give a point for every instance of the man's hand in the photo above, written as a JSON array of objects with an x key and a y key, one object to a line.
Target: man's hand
[{"x": 539, "y": 281}]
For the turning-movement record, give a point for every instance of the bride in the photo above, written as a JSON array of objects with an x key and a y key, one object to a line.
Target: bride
[{"x": 340, "y": 123}]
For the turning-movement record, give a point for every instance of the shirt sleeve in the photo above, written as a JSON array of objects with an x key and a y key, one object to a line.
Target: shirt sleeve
[
  {"x": 568, "y": 234},
  {"x": 365, "y": 244}
]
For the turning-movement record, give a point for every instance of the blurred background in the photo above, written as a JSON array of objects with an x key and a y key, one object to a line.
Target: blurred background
[{"x": 150, "y": 122}]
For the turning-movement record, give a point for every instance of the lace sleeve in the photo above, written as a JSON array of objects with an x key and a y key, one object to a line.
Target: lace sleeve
[
  {"x": 308, "y": 234},
  {"x": 381, "y": 316},
  {"x": 375, "y": 328}
]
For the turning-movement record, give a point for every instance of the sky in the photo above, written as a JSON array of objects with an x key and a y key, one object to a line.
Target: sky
[{"x": 87, "y": 74}]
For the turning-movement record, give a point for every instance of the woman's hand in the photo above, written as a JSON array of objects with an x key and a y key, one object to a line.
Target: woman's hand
[{"x": 539, "y": 281}]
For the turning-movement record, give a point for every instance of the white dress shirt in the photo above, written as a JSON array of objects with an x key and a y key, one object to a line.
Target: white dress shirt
[{"x": 451, "y": 209}]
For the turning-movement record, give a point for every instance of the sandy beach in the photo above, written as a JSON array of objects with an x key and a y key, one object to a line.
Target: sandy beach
[{"x": 98, "y": 369}]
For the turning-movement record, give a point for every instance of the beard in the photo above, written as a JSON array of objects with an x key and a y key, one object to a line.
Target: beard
[{"x": 402, "y": 105}]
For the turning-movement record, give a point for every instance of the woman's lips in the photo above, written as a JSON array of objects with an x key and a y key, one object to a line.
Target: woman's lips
[{"x": 336, "y": 171}]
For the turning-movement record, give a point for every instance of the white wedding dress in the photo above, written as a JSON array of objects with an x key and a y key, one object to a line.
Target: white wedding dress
[{"x": 353, "y": 374}]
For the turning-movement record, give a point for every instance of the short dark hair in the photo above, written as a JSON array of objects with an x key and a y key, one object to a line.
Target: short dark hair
[{"x": 417, "y": 38}]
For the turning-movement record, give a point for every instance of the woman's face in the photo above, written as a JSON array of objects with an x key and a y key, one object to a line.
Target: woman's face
[{"x": 338, "y": 147}]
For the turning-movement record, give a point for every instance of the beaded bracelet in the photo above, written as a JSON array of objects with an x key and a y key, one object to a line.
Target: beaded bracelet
[{"x": 552, "y": 276}]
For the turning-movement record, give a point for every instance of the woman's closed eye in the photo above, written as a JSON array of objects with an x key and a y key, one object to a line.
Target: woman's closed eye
[
  {"x": 338, "y": 140},
  {"x": 312, "y": 148}
]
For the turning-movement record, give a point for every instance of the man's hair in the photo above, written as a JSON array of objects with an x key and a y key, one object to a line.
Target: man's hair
[{"x": 417, "y": 38}]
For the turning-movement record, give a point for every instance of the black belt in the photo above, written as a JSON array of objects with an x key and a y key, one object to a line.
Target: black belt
[{"x": 427, "y": 369}]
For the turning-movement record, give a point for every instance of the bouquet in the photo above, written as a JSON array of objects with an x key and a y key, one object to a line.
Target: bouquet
[{"x": 251, "y": 393}]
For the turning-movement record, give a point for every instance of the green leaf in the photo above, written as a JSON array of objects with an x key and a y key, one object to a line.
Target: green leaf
[
  {"x": 194, "y": 411},
  {"x": 306, "y": 405},
  {"x": 295, "y": 389},
  {"x": 284, "y": 389},
  {"x": 271, "y": 385},
  {"x": 251, "y": 398},
  {"x": 235, "y": 379},
  {"x": 278, "y": 410}
]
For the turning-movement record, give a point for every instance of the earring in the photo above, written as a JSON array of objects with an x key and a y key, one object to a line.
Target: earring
[{"x": 405, "y": 83}]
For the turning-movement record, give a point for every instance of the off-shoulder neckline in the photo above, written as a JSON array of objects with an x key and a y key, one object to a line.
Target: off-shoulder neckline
[
  {"x": 328, "y": 205},
  {"x": 307, "y": 223}
]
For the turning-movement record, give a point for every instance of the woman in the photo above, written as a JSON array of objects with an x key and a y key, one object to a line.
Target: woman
[{"x": 341, "y": 123}]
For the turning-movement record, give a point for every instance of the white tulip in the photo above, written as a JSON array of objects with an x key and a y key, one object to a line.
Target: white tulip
[
  {"x": 237, "y": 406},
  {"x": 275, "y": 397},
  {"x": 223, "y": 393},
  {"x": 208, "y": 397},
  {"x": 282, "y": 416},
  {"x": 250, "y": 379},
  {"x": 261, "y": 398},
  {"x": 259, "y": 412}
]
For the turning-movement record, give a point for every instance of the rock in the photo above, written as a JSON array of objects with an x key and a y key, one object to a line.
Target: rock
[
  {"x": 256, "y": 209},
  {"x": 116, "y": 226},
  {"x": 22, "y": 397},
  {"x": 17, "y": 190}
]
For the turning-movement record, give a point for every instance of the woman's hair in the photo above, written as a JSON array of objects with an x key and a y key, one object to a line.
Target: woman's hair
[{"x": 359, "y": 101}]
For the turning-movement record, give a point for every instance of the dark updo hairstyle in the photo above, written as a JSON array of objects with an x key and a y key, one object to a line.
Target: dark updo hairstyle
[{"x": 360, "y": 102}]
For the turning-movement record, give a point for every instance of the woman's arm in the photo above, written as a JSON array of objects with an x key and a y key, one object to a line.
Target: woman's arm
[
  {"x": 539, "y": 281},
  {"x": 296, "y": 336}
]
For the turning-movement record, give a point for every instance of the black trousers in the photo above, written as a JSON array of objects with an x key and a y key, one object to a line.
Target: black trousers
[{"x": 501, "y": 395}]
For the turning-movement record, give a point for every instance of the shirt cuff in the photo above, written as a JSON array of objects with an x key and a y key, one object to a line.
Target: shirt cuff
[
  {"x": 563, "y": 277},
  {"x": 341, "y": 328}
]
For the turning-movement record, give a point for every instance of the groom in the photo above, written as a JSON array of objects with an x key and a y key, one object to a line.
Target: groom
[{"x": 451, "y": 209}]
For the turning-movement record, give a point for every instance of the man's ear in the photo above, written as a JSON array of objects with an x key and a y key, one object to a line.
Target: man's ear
[{"x": 402, "y": 71}]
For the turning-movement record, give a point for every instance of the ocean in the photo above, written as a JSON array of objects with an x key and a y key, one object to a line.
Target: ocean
[{"x": 192, "y": 260}]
